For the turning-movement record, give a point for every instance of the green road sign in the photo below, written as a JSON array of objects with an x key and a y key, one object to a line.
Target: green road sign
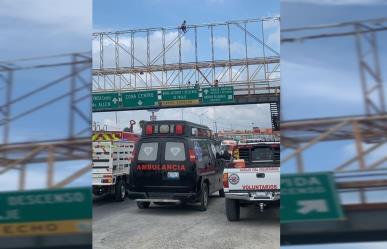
[
  {"x": 105, "y": 101},
  {"x": 139, "y": 99},
  {"x": 179, "y": 97},
  {"x": 213, "y": 95},
  {"x": 45, "y": 205},
  {"x": 308, "y": 197}
]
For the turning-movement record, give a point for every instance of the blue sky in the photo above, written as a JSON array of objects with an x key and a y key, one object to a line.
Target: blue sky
[
  {"x": 159, "y": 13},
  {"x": 330, "y": 76},
  {"x": 320, "y": 78},
  {"x": 42, "y": 28}
]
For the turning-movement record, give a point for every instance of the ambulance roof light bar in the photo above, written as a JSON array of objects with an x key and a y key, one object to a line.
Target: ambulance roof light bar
[{"x": 178, "y": 127}]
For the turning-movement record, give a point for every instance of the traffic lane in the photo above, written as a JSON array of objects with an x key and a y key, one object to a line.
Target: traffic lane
[{"x": 122, "y": 225}]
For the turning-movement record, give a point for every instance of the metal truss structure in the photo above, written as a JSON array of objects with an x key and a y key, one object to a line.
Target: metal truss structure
[
  {"x": 367, "y": 50},
  {"x": 357, "y": 175},
  {"x": 370, "y": 128},
  {"x": 301, "y": 135},
  {"x": 71, "y": 84},
  {"x": 232, "y": 53}
]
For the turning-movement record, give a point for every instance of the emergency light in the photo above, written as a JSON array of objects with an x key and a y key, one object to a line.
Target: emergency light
[
  {"x": 178, "y": 128},
  {"x": 165, "y": 129},
  {"x": 149, "y": 130}
]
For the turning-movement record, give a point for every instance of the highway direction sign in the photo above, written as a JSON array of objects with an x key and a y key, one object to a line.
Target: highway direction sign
[
  {"x": 139, "y": 99},
  {"x": 213, "y": 95},
  {"x": 309, "y": 197},
  {"x": 44, "y": 212},
  {"x": 179, "y": 97},
  {"x": 105, "y": 101}
]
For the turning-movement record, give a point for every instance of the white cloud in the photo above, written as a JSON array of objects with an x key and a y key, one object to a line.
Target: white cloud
[
  {"x": 351, "y": 151},
  {"x": 321, "y": 84},
  {"x": 274, "y": 39},
  {"x": 236, "y": 48},
  {"x": 140, "y": 49},
  {"x": 69, "y": 15},
  {"x": 235, "y": 116},
  {"x": 339, "y": 2}
]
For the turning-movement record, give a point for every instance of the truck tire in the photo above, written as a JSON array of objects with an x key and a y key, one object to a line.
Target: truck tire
[
  {"x": 203, "y": 197},
  {"x": 120, "y": 191},
  {"x": 143, "y": 204},
  {"x": 221, "y": 193},
  {"x": 232, "y": 210}
]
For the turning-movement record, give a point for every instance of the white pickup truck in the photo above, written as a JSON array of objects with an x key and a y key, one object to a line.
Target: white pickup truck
[{"x": 252, "y": 177}]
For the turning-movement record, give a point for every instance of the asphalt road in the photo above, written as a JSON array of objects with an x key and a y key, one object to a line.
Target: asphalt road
[{"x": 121, "y": 225}]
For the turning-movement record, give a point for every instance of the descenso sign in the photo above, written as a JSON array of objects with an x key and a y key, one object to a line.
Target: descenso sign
[{"x": 41, "y": 212}]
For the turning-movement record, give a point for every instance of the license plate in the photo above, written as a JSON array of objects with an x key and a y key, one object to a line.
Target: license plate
[
  {"x": 258, "y": 194},
  {"x": 173, "y": 175}
]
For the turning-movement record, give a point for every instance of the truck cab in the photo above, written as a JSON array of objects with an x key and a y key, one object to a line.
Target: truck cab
[
  {"x": 252, "y": 177},
  {"x": 175, "y": 162}
]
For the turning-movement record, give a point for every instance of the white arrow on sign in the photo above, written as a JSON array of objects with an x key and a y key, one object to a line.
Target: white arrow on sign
[
  {"x": 140, "y": 102},
  {"x": 205, "y": 91},
  {"x": 115, "y": 100},
  {"x": 309, "y": 206}
]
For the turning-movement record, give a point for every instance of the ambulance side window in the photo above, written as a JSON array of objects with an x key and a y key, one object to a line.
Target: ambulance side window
[
  {"x": 205, "y": 151},
  {"x": 212, "y": 149}
]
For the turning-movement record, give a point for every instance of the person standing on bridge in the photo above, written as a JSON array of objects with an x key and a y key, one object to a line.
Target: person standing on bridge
[
  {"x": 183, "y": 26},
  {"x": 197, "y": 86}
]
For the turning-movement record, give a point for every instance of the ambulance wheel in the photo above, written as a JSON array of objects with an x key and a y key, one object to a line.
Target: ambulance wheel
[
  {"x": 221, "y": 193},
  {"x": 120, "y": 191},
  {"x": 143, "y": 204},
  {"x": 232, "y": 210},
  {"x": 203, "y": 197}
]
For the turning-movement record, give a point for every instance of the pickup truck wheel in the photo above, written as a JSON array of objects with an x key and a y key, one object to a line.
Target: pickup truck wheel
[
  {"x": 232, "y": 210},
  {"x": 143, "y": 204},
  {"x": 203, "y": 197},
  {"x": 120, "y": 191},
  {"x": 221, "y": 193}
]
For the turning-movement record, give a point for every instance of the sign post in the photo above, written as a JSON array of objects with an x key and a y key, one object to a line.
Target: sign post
[{"x": 309, "y": 197}]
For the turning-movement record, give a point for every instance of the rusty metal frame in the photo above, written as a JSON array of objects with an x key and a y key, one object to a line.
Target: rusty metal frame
[
  {"x": 246, "y": 72},
  {"x": 74, "y": 145}
]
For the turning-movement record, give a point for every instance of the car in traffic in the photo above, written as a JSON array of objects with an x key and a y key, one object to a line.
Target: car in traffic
[
  {"x": 175, "y": 161},
  {"x": 252, "y": 177}
]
